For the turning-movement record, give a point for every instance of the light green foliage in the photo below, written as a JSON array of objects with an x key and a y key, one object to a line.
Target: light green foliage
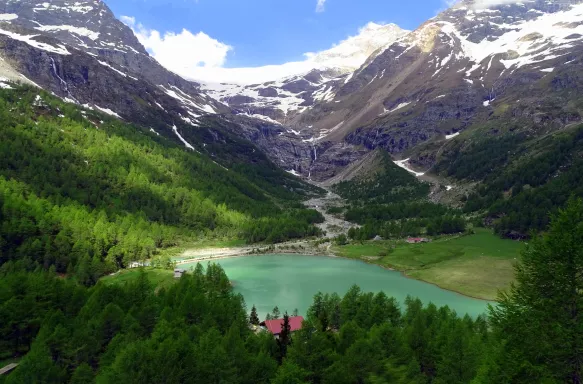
[
  {"x": 90, "y": 194},
  {"x": 197, "y": 330}
]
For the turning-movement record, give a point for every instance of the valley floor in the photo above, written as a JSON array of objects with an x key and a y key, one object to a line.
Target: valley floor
[{"x": 477, "y": 265}]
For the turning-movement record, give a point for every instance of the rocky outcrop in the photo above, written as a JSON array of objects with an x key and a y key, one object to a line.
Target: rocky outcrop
[
  {"x": 89, "y": 27},
  {"x": 504, "y": 68}
]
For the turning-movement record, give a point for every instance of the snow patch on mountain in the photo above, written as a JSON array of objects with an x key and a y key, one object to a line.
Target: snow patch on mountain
[
  {"x": 8, "y": 16},
  {"x": 354, "y": 51},
  {"x": 81, "y": 7},
  {"x": 405, "y": 165},
  {"x": 29, "y": 39},
  {"x": 108, "y": 111},
  {"x": 187, "y": 100},
  {"x": 186, "y": 143},
  {"x": 531, "y": 41},
  {"x": 81, "y": 31}
]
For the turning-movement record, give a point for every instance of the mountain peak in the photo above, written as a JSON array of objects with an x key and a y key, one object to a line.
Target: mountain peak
[
  {"x": 351, "y": 53},
  {"x": 88, "y": 25}
]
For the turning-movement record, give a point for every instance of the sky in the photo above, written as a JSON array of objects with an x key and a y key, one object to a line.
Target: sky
[{"x": 187, "y": 35}]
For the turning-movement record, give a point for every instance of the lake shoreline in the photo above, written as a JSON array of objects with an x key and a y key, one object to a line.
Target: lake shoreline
[
  {"x": 276, "y": 251},
  {"x": 293, "y": 278}
]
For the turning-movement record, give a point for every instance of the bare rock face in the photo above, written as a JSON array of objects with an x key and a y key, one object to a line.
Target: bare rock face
[
  {"x": 62, "y": 44},
  {"x": 267, "y": 92},
  {"x": 510, "y": 67},
  {"x": 513, "y": 66}
]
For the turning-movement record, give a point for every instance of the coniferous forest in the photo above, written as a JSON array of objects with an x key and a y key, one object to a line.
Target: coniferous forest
[
  {"x": 392, "y": 203},
  {"x": 89, "y": 194},
  {"x": 197, "y": 330},
  {"x": 83, "y": 195},
  {"x": 522, "y": 179}
]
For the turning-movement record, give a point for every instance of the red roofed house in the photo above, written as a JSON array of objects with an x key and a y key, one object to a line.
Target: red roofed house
[
  {"x": 417, "y": 240},
  {"x": 274, "y": 326}
]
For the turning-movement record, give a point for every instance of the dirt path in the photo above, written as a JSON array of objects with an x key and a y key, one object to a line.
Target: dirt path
[
  {"x": 304, "y": 247},
  {"x": 332, "y": 225}
]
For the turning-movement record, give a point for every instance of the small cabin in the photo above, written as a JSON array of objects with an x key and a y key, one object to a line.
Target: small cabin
[
  {"x": 178, "y": 273},
  {"x": 417, "y": 240},
  {"x": 275, "y": 326}
]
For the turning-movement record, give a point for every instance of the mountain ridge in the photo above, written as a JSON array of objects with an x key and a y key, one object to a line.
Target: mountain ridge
[{"x": 413, "y": 96}]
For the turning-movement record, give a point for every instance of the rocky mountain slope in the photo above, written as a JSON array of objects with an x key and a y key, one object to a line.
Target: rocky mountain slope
[
  {"x": 511, "y": 66},
  {"x": 418, "y": 95},
  {"x": 80, "y": 52},
  {"x": 281, "y": 100},
  {"x": 467, "y": 66},
  {"x": 50, "y": 41}
]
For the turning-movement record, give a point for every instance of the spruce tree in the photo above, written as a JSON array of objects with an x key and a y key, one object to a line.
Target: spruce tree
[
  {"x": 539, "y": 321},
  {"x": 284, "y": 338},
  {"x": 253, "y": 318},
  {"x": 275, "y": 313}
]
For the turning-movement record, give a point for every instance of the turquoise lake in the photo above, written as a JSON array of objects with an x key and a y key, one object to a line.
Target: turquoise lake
[{"x": 291, "y": 281}]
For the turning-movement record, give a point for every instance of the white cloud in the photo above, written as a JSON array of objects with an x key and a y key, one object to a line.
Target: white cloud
[
  {"x": 320, "y": 5},
  {"x": 183, "y": 53},
  {"x": 203, "y": 58}
]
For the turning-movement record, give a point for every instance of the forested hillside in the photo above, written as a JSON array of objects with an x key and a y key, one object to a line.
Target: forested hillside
[
  {"x": 87, "y": 193},
  {"x": 384, "y": 183},
  {"x": 522, "y": 179},
  {"x": 392, "y": 203},
  {"x": 197, "y": 330}
]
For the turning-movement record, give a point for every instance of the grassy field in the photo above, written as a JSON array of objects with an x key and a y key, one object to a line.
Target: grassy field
[
  {"x": 159, "y": 277},
  {"x": 476, "y": 265}
]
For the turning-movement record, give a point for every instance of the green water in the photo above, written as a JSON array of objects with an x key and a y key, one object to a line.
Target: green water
[{"x": 291, "y": 281}]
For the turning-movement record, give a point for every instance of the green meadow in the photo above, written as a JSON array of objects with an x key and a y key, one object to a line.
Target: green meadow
[{"x": 477, "y": 265}]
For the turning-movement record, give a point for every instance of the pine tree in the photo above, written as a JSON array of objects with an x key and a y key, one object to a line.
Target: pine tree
[
  {"x": 284, "y": 337},
  {"x": 275, "y": 313},
  {"x": 253, "y": 318},
  {"x": 539, "y": 321}
]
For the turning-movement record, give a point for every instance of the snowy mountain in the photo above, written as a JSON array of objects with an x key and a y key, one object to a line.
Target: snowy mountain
[
  {"x": 471, "y": 66},
  {"x": 88, "y": 25},
  {"x": 81, "y": 52},
  {"x": 476, "y": 68},
  {"x": 281, "y": 99}
]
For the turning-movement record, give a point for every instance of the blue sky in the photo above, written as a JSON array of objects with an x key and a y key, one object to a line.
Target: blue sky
[
  {"x": 238, "y": 33},
  {"x": 273, "y": 31}
]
